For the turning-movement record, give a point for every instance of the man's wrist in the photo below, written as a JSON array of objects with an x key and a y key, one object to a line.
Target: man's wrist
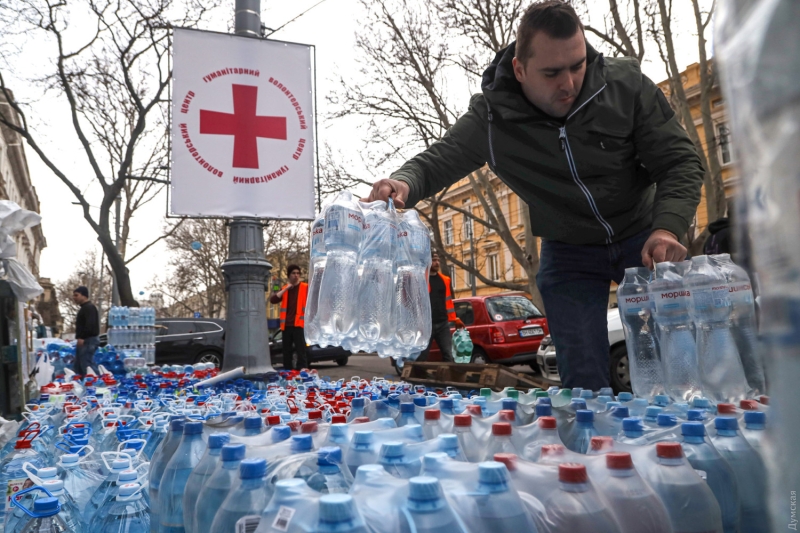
[{"x": 668, "y": 232}]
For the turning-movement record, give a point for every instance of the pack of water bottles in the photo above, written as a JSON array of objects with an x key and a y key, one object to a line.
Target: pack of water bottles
[
  {"x": 368, "y": 289},
  {"x": 133, "y": 329},
  {"x": 690, "y": 330}
]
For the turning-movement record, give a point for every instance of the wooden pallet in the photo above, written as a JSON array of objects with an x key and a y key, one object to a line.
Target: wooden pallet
[{"x": 468, "y": 376}]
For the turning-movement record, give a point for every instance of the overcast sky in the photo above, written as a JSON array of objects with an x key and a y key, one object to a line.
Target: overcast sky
[{"x": 330, "y": 27}]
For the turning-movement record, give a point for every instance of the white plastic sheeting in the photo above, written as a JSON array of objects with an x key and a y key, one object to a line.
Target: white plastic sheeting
[{"x": 14, "y": 219}]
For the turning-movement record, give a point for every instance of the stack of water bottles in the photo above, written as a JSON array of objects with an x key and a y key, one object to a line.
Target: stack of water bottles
[
  {"x": 132, "y": 331},
  {"x": 369, "y": 279},
  {"x": 690, "y": 330}
]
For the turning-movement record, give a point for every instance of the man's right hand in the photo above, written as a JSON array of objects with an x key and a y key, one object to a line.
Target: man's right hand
[{"x": 385, "y": 189}]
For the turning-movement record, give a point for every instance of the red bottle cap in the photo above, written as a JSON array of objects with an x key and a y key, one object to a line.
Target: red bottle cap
[
  {"x": 547, "y": 422},
  {"x": 273, "y": 420},
  {"x": 501, "y": 428},
  {"x": 726, "y": 409},
  {"x": 599, "y": 444},
  {"x": 764, "y": 399},
  {"x": 361, "y": 420},
  {"x": 462, "y": 421},
  {"x": 474, "y": 410},
  {"x": 551, "y": 450},
  {"x": 507, "y": 415},
  {"x": 619, "y": 461},
  {"x": 295, "y": 425},
  {"x": 508, "y": 459},
  {"x": 314, "y": 415},
  {"x": 338, "y": 419},
  {"x": 309, "y": 427},
  {"x": 749, "y": 405},
  {"x": 432, "y": 414},
  {"x": 669, "y": 450},
  {"x": 572, "y": 473}
]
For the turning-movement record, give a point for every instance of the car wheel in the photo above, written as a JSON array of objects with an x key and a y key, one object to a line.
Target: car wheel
[
  {"x": 479, "y": 357},
  {"x": 620, "y": 370},
  {"x": 342, "y": 361},
  {"x": 209, "y": 357}
]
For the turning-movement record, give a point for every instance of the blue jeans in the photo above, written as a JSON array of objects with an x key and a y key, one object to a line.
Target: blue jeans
[
  {"x": 84, "y": 356},
  {"x": 574, "y": 281}
]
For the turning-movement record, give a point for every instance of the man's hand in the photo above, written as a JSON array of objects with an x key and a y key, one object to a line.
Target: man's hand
[
  {"x": 385, "y": 189},
  {"x": 459, "y": 324},
  {"x": 662, "y": 246},
  {"x": 80, "y": 342}
]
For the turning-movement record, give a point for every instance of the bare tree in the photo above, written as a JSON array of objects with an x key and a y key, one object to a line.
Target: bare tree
[
  {"x": 623, "y": 29},
  {"x": 96, "y": 277},
  {"x": 113, "y": 81}
]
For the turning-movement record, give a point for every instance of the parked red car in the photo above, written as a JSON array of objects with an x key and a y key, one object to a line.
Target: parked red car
[{"x": 505, "y": 329}]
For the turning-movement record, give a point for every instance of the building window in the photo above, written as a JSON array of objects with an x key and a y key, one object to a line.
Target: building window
[
  {"x": 493, "y": 269},
  {"x": 724, "y": 142},
  {"x": 467, "y": 228},
  {"x": 448, "y": 232},
  {"x": 453, "y": 275}
]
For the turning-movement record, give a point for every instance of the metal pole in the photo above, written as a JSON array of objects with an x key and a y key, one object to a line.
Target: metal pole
[
  {"x": 118, "y": 210},
  {"x": 472, "y": 258},
  {"x": 246, "y": 270}
]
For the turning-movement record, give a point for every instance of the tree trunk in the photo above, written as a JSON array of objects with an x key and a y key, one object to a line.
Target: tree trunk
[{"x": 531, "y": 265}]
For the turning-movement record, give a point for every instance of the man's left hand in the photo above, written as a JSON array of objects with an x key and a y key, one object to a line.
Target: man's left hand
[
  {"x": 80, "y": 342},
  {"x": 662, "y": 246},
  {"x": 459, "y": 324}
]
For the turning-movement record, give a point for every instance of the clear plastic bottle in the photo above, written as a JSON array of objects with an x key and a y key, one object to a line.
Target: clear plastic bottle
[
  {"x": 338, "y": 514},
  {"x": 249, "y": 497},
  {"x": 743, "y": 317},
  {"x": 412, "y": 305},
  {"x": 393, "y": 459},
  {"x": 462, "y": 427},
  {"x": 129, "y": 513},
  {"x": 46, "y": 517},
  {"x": 158, "y": 464},
  {"x": 635, "y": 312},
  {"x": 329, "y": 478},
  {"x": 407, "y": 414},
  {"x": 361, "y": 451},
  {"x": 176, "y": 475},
  {"x": 427, "y": 509},
  {"x": 217, "y": 487},
  {"x": 501, "y": 440},
  {"x": 124, "y": 477},
  {"x": 205, "y": 467},
  {"x": 69, "y": 510},
  {"x": 12, "y": 474},
  {"x": 720, "y": 368},
  {"x": 79, "y": 482},
  {"x": 339, "y": 284},
  {"x": 579, "y": 435},
  {"x": 634, "y": 504},
  {"x": 750, "y": 472},
  {"x": 106, "y": 489},
  {"x": 16, "y": 517},
  {"x": 672, "y": 300},
  {"x": 311, "y": 328},
  {"x": 754, "y": 426},
  {"x": 432, "y": 426},
  {"x": 575, "y": 505},
  {"x": 497, "y": 506}
]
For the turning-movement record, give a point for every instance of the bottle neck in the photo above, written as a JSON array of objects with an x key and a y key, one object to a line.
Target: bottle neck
[
  {"x": 726, "y": 432},
  {"x": 670, "y": 461},
  {"x": 693, "y": 439},
  {"x": 252, "y": 483},
  {"x": 573, "y": 487},
  {"x": 621, "y": 472},
  {"x": 755, "y": 427}
]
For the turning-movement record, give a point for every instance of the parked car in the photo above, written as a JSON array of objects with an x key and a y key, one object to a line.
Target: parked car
[
  {"x": 505, "y": 329},
  {"x": 314, "y": 353},
  {"x": 619, "y": 367}
]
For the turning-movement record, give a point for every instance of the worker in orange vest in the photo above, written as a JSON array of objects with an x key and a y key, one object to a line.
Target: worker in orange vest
[
  {"x": 442, "y": 312},
  {"x": 292, "y": 298}
]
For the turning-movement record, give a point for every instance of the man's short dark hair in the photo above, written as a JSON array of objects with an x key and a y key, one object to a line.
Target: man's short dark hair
[
  {"x": 82, "y": 290},
  {"x": 292, "y": 268},
  {"x": 554, "y": 17}
]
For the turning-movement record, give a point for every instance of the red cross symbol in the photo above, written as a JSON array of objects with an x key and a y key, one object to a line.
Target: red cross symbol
[{"x": 245, "y": 126}]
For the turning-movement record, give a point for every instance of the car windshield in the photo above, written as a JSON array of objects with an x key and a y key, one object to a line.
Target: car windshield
[{"x": 503, "y": 308}]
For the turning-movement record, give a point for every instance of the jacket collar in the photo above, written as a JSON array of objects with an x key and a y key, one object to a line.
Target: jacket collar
[{"x": 504, "y": 93}]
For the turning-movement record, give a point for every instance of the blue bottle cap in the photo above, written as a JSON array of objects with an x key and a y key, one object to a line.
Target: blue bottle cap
[
  {"x": 233, "y": 452},
  {"x": 604, "y": 399},
  {"x": 334, "y": 508},
  {"x": 613, "y": 403},
  {"x": 693, "y": 429},
  {"x": 584, "y": 415},
  {"x": 492, "y": 473},
  {"x": 701, "y": 403},
  {"x": 302, "y": 443},
  {"x": 253, "y": 468},
  {"x": 413, "y": 432},
  {"x": 329, "y": 456},
  {"x": 726, "y": 422},
  {"x": 47, "y": 506},
  {"x": 586, "y": 394},
  {"x": 480, "y": 400},
  {"x": 289, "y": 487},
  {"x": 357, "y": 403},
  {"x": 421, "y": 401},
  {"x": 667, "y": 420},
  {"x": 577, "y": 403},
  {"x": 407, "y": 407},
  {"x": 338, "y": 430},
  {"x": 652, "y": 411},
  {"x": 137, "y": 445},
  {"x": 509, "y": 404},
  {"x": 177, "y": 424},
  {"x": 176, "y": 417},
  {"x": 620, "y": 412},
  {"x": 446, "y": 403},
  {"x": 544, "y": 401},
  {"x": 640, "y": 402},
  {"x": 362, "y": 437},
  {"x": 218, "y": 440},
  {"x": 127, "y": 490},
  {"x": 633, "y": 423},
  {"x": 625, "y": 396},
  {"x": 280, "y": 433},
  {"x": 448, "y": 441},
  {"x": 393, "y": 449},
  {"x": 235, "y": 419},
  {"x": 253, "y": 422},
  {"x": 193, "y": 428},
  {"x": 393, "y": 400},
  {"x": 750, "y": 417},
  {"x": 605, "y": 391},
  {"x": 543, "y": 409},
  {"x": 694, "y": 415},
  {"x": 577, "y": 391},
  {"x": 423, "y": 488}
]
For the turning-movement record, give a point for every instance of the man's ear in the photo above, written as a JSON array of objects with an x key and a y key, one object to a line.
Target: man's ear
[{"x": 519, "y": 69}]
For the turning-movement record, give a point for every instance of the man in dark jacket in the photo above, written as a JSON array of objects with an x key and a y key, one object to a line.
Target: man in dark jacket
[
  {"x": 87, "y": 331},
  {"x": 592, "y": 145}
]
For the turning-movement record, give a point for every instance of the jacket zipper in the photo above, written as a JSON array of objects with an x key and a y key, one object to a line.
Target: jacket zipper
[{"x": 564, "y": 141}]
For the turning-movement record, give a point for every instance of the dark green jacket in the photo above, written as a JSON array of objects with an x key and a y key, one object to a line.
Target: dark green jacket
[{"x": 619, "y": 163}]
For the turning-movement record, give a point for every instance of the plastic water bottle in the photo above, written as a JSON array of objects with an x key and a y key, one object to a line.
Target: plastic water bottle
[
  {"x": 338, "y": 514},
  {"x": 106, "y": 489},
  {"x": 216, "y": 489},
  {"x": 248, "y": 498},
  {"x": 578, "y": 437},
  {"x": 755, "y": 424},
  {"x": 634, "y": 504},
  {"x": 672, "y": 300},
  {"x": 337, "y": 305},
  {"x": 721, "y": 374},
  {"x": 393, "y": 459},
  {"x": 109, "y": 497},
  {"x": 176, "y": 475},
  {"x": 16, "y": 517},
  {"x": 715, "y": 470},
  {"x": 329, "y": 479},
  {"x": 501, "y": 441},
  {"x": 411, "y": 299},
  {"x": 576, "y": 506},
  {"x": 407, "y": 415},
  {"x": 361, "y": 451},
  {"x": 743, "y": 317},
  {"x": 750, "y": 472},
  {"x": 431, "y": 426},
  {"x": 689, "y": 501},
  {"x": 427, "y": 511},
  {"x": 46, "y": 517},
  {"x": 205, "y": 467},
  {"x": 158, "y": 464},
  {"x": 12, "y": 474},
  {"x": 376, "y": 285},
  {"x": 318, "y": 260},
  {"x": 69, "y": 510},
  {"x": 497, "y": 506},
  {"x": 79, "y": 482},
  {"x": 635, "y": 312},
  {"x": 462, "y": 427},
  {"x": 356, "y": 408},
  {"x": 129, "y": 513}
]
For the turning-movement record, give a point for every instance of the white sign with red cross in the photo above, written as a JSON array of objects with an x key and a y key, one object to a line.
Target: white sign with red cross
[{"x": 242, "y": 127}]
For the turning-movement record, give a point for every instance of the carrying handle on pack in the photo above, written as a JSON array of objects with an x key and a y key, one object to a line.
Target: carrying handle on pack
[
  {"x": 32, "y": 475},
  {"x": 123, "y": 445},
  {"x": 15, "y": 501}
]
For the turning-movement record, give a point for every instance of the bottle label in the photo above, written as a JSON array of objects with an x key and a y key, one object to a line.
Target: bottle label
[
  {"x": 740, "y": 293},
  {"x": 713, "y": 297},
  {"x": 247, "y": 524},
  {"x": 340, "y": 221},
  {"x": 318, "y": 238},
  {"x": 14, "y": 486},
  {"x": 283, "y": 518},
  {"x": 634, "y": 304},
  {"x": 672, "y": 300}
]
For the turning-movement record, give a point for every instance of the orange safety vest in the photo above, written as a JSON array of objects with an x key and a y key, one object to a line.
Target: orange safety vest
[
  {"x": 299, "y": 316},
  {"x": 448, "y": 297}
]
